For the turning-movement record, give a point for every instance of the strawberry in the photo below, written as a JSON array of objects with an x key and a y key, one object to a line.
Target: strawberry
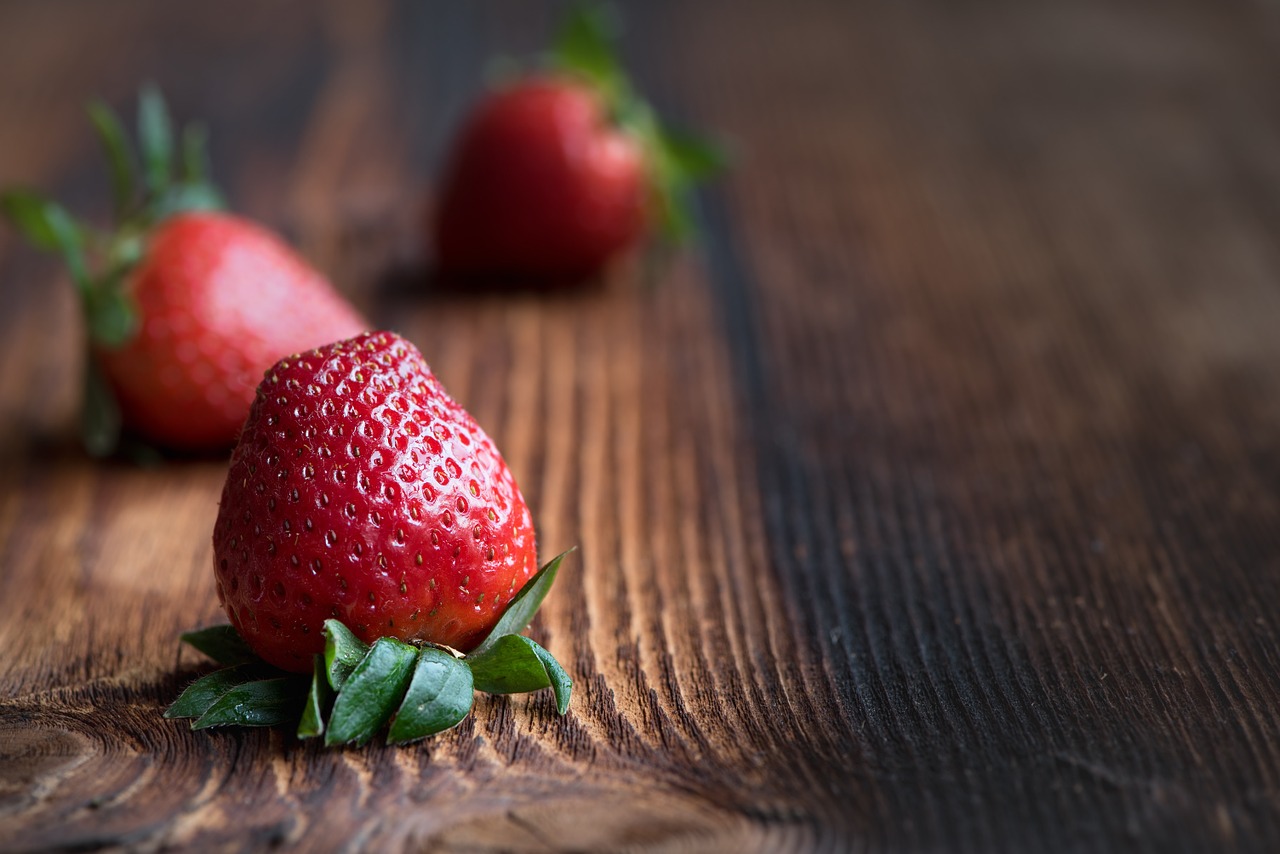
[
  {"x": 221, "y": 300},
  {"x": 359, "y": 490},
  {"x": 189, "y": 305},
  {"x": 541, "y": 183},
  {"x": 369, "y": 533},
  {"x": 556, "y": 174}
]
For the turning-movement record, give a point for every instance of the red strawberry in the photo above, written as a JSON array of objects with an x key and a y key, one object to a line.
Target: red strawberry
[
  {"x": 220, "y": 299},
  {"x": 555, "y": 175},
  {"x": 360, "y": 490},
  {"x": 541, "y": 183},
  {"x": 188, "y": 307}
]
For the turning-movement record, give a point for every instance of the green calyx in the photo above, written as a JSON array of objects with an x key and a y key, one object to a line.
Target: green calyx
[
  {"x": 166, "y": 176},
  {"x": 677, "y": 160},
  {"x": 356, "y": 689}
]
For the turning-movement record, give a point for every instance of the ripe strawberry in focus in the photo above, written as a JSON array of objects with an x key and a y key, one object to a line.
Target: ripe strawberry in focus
[
  {"x": 361, "y": 491},
  {"x": 185, "y": 306},
  {"x": 557, "y": 174}
]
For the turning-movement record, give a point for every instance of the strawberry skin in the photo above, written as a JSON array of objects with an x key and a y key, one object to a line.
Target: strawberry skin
[
  {"x": 541, "y": 184},
  {"x": 184, "y": 308},
  {"x": 219, "y": 299},
  {"x": 361, "y": 491}
]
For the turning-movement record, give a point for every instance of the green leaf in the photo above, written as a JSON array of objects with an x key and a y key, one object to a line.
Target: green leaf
[
  {"x": 439, "y": 697},
  {"x": 516, "y": 664},
  {"x": 192, "y": 192},
  {"x": 680, "y": 161},
  {"x": 519, "y": 612},
  {"x": 561, "y": 684},
  {"x": 372, "y": 693},
  {"x": 29, "y": 213},
  {"x": 319, "y": 701},
  {"x": 691, "y": 157},
  {"x": 675, "y": 215},
  {"x": 100, "y": 420},
  {"x": 111, "y": 132},
  {"x": 201, "y": 694},
  {"x": 47, "y": 225},
  {"x": 510, "y": 666},
  {"x": 584, "y": 46},
  {"x": 111, "y": 315},
  {"x": 155, "y": 135},
  {"x": 342, "y": 652},
  {"x": 124, "y": 251},
  {"x": 267, "y": 702},
  {"x": 186, "y": 197},
  {"x": 221, "y": 643},
  {"x": 195, "y": 158}
]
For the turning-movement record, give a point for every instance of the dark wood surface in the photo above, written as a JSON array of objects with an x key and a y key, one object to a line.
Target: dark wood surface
[{"x": 934, "y": 506}]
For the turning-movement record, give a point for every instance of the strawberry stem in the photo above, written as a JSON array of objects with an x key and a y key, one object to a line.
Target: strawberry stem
[
  {"x": 155, "y": 137},
  {"x": 195, "y": 161},
  {"x": 111, "y": 133},
  {"x": 100, "y": 422}
]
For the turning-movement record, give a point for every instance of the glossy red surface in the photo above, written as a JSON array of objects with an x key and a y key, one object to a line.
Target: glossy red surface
[{"x": 360, "y": 490}]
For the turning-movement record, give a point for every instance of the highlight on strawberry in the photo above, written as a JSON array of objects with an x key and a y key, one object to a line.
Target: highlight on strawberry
[
  {"x": 371, "y": 538},
  {"x": 184, "y": 305},
  {"x": 558, "y": 173}
]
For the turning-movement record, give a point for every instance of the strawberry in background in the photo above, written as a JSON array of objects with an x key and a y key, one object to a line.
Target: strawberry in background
[
  {"x": 185, "y": 306},
  {"x": 558, "y": 173}
]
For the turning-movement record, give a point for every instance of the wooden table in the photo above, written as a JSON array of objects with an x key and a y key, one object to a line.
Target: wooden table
[{"x": 934, "y": 505}]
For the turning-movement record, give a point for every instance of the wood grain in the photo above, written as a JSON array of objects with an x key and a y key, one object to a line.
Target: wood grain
[{"x": 932, "y": 507}]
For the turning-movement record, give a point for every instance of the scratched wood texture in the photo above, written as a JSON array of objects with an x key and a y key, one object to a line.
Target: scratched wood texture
[{"x": 934, "y": 506}]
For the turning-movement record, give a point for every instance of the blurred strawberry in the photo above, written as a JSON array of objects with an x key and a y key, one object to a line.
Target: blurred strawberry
[
  {"x": 556, "y": 174},
  {"x": 185, "y": 307}
]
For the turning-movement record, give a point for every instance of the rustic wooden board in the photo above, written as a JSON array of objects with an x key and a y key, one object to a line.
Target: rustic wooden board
[{"x": 936, "y": 506}]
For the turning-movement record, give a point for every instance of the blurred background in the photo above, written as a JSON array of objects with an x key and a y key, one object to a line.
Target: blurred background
[{"x": 992, "y": 154}]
